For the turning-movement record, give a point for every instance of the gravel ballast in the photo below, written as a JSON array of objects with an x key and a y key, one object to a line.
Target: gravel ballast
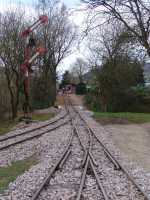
[{"x": 65, "y": 183}]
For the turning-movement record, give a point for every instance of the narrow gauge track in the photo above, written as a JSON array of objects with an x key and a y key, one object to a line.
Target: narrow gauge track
[
  {"x": 116, "y": 163},
  {"x": 88, "y": 161},
  {"x": 5, "y": 142}
]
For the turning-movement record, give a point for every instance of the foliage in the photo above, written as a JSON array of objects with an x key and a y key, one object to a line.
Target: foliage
[
  {"x": 118, "y": 73},
  {"x": 81, "y": 89},
  {"x": 11, "y": 54},
  {"x": 66, "y": 79},
  {"x": 92, "y": 100},
  {"x": 40, "y": 92},
  {"x": 4, "y": 98},
  {"x": 114, "y": 79},
  {"x": 137, "y": 99}
]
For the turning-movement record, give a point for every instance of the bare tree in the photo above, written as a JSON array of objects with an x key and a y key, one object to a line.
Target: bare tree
[
  {"x": 11, "y": 52},
  {"x": 107, "y": 41},
  {"x": 79, "y": 69},
  {"x": 133, "y": 14},
  {"x": 119, "y": 69},
  {"x": 59, "y": 36}
]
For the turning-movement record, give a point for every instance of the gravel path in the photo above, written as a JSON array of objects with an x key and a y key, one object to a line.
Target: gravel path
[{"x": 134, "y": 141}]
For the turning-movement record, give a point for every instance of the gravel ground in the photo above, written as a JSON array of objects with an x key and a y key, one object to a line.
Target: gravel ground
[{"x": 133, "y": 140}]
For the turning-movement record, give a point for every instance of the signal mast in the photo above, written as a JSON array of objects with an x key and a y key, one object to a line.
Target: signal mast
[{"x": 26, "y": 66}]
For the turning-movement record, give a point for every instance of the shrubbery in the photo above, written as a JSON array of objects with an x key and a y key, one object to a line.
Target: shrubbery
[
  {"x": 116, "y": 85},
  {"x": 81, "y": 89},
  {"x": 4, "y": 100},
  {"x": 136, "y": 99}
]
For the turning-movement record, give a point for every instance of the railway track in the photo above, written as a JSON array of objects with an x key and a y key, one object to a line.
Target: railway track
[
  {"x": 12, "y": 140},
  {"x": 86, "y": 167},
  {"x": 117, "y": 165},
  {"x": 88, "y": 144},
  {"x": 63, "y": 159}
]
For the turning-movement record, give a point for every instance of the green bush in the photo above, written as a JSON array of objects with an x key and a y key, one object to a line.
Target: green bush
[
  {"x": 91, "y": 100},
  {"x": 136, "y": 99},
  {"x": 41, "y": 93},
  {"x": 81, "y": 89}
]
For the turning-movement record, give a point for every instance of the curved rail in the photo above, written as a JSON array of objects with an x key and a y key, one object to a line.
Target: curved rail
[
  {"x": 58, "y": 164},
  {"x": 34, "y": 136},
  {"x": 31, "y": 130},
  {"x": 116, "y": 163},
  {"x": 88, "y": 161}
]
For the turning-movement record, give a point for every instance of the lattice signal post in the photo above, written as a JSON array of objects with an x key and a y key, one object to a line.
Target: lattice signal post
[{"x": 26, "y": 66}]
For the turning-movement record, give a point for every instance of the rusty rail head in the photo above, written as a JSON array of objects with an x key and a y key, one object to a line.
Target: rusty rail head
[{"x": 55, "y": 167}]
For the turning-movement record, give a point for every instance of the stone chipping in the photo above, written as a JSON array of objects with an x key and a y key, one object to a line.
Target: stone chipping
[
  {"x": 65, "y": 183},
  {"x": 140, "y": 176},
  {"x": 27, "y": 148},
  {"x": 51, "y": 147}
]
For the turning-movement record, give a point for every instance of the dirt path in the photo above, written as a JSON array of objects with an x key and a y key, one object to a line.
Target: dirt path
[
  {"x": 133, "y": 140},
  {"x": 77, "y": 99}
]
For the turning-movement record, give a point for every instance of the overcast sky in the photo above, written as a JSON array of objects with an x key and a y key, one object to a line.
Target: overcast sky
[{"x": 6, "y": 3}]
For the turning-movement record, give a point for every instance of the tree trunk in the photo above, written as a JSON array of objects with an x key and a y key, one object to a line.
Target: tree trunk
[
  {"x": 14, "y": 111},
  {"x": 13, "y": 102},
  {"x": 103, "y": 104},
  {"x": 14, "y": 106},
  {"x": 53, "y": 88}
]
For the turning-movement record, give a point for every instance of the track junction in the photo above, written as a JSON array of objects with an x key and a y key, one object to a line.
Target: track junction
[{"x": 82, "y": 169}]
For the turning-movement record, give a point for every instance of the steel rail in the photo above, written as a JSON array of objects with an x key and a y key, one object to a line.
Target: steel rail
[
  {"x": 101, "y": 187},
  {"x": 131, "y": 178},
  {"x": 34, "y": 136},
  {"x": 110, "y": 156},
  {"x": 116, "y": 163},
  {"x": 83, "y": 179},
  {"x": 88, "y": 160},
  {"x": 34, "y": 129},
  {"x": 54, "y": 169},
  {"x": 59, "y": 163}
]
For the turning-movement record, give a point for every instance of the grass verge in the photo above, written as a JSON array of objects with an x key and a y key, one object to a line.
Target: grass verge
[
  {"x": 121, "y": 118},
  {"x": 10, "y": 173},
  {"x": 6, "y": 126},
  {"x": 42, "y": 117}
]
